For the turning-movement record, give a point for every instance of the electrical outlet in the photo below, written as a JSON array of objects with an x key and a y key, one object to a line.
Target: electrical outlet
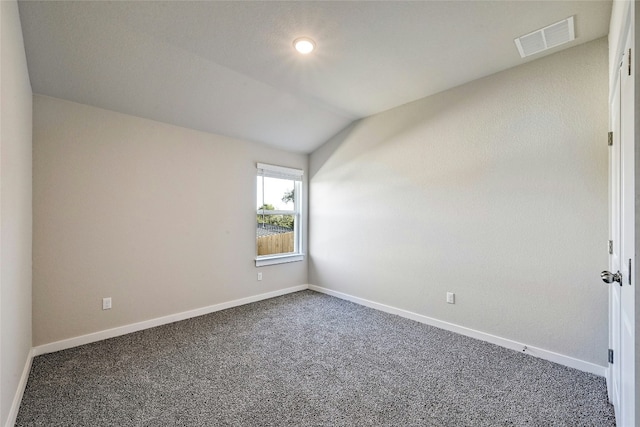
[
  {"x": 451, "y": 298},
  {"x": 259, "y": 276},
  {"x": 106, "y": 303}
]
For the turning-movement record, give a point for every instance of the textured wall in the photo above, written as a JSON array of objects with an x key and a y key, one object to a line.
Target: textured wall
[
  {"x": 495, "y": 190},
  {"x": 158, "y": 217},
  {"x": 15, "y": 207}
]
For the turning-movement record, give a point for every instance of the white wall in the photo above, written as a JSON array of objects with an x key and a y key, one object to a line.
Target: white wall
[
  {"x": 495, "y": 190},
  {"x": 15, "y": 208},
  {"x": 158, "y": 217}
]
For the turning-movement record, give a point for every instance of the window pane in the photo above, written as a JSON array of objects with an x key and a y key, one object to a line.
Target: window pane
[
  {"x": 278, "y": 194},
  {"x": 275, "y": 234}
]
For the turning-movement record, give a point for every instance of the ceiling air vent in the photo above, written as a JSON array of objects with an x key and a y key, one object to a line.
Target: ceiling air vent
[{"x": 546, "y": 38}]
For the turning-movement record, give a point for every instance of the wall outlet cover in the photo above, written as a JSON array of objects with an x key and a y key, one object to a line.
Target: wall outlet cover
[{"x": 451, "y": 298}]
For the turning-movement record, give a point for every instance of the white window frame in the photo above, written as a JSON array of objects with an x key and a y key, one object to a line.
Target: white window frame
[{"x": 296, "y": 175}]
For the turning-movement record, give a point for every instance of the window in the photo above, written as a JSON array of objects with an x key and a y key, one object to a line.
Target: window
[{"x": 278, "y": 215}]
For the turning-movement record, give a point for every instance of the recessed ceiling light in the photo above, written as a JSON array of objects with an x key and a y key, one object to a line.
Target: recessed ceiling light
[{"x": 304, "y": 45}]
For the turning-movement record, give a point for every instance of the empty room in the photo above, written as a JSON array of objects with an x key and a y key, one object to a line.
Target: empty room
[{"x": 318, "y": 213}]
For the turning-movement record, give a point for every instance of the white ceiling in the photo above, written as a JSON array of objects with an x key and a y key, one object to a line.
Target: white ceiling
[{"x": 229, "y": 67}]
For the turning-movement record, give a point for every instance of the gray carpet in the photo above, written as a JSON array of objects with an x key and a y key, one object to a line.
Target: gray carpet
[{"x": 305, "y": 359}]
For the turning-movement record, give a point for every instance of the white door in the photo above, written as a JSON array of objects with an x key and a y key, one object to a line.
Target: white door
[
  {"x": 627, "y": 232},
  {"x": 614, "y": 251},
  {"x": 621, "y": 262}
]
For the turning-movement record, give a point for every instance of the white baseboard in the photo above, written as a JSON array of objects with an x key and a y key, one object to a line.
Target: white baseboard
[
  {"x": 135, "y": 327},
  {"x": 22, "y": 384},
  {"x": 503, "y": 342}
]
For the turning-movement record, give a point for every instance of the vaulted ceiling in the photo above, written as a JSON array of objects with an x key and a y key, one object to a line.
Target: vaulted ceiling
[{"x": 230, "y": 68}]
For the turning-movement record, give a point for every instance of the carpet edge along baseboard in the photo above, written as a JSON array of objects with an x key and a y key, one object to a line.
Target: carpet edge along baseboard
[
  {"x": 541, "y": 353},
  {"x": 158, "y": 321},
  {"x": 494, "y": 339}
]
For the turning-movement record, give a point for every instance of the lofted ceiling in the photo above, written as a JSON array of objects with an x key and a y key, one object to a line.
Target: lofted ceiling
[{"x": 229, "y": 67}]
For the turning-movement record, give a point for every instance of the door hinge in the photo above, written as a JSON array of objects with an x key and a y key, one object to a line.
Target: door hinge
[
  {"x": 629, "y": 58},
  {"x": 610, "y": 247},
  {"x": 610, "y": 356},
  {"x": 610, "y": 139}
]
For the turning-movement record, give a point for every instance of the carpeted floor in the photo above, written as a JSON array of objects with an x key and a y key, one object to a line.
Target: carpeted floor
[{"x": 305, "y": 359}]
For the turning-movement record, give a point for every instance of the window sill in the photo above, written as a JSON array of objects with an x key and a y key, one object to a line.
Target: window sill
[{"x": 278, "y": 259}]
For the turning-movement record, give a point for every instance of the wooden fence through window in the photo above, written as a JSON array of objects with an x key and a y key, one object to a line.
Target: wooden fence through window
[{"x": 275, "y": 244}]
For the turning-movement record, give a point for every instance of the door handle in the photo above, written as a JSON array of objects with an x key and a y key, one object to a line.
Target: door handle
[{"x": 609, "y": 277}]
